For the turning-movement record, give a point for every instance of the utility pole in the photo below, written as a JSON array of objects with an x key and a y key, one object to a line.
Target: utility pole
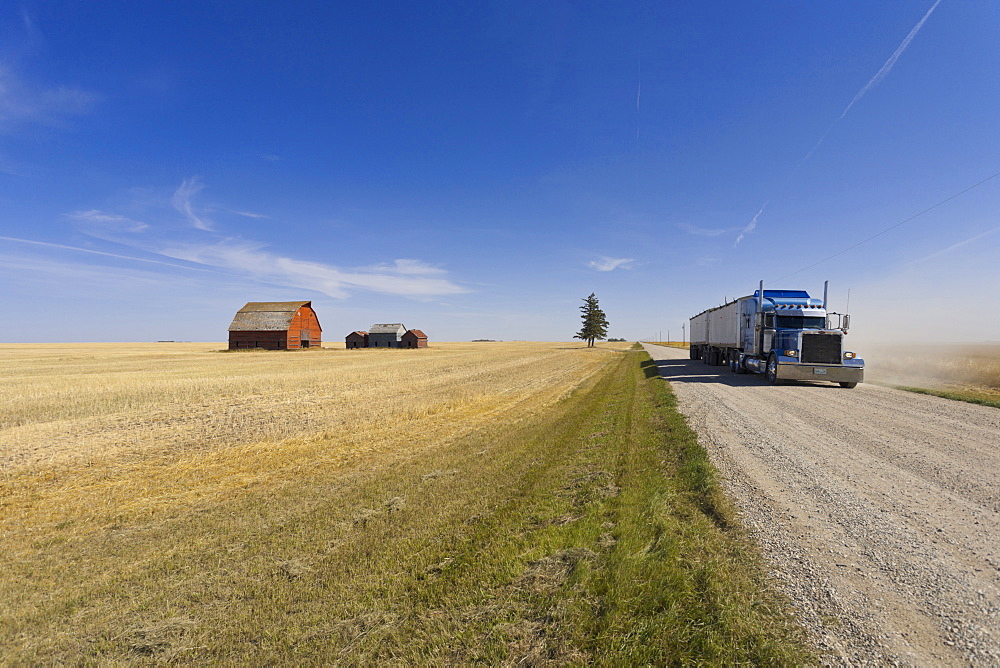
[{"x": 683, "y": 334}]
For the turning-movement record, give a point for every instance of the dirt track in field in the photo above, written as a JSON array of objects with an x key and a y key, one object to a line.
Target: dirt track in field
[{"x": 877, "y": 510}]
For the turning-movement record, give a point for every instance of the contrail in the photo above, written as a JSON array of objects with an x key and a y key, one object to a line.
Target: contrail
[
  {"x": 96, "y": 252},
  {"x": 881, "y": 74},
  {"x": 638, "y": 94},
  {"x": 958, "y": 245}
]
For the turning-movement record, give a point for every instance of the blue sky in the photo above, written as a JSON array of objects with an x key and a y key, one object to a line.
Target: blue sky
[{"x": 476, "y": 170}]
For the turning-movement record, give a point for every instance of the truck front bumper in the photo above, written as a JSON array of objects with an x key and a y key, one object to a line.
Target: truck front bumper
[{"x": 835, "y": 373}]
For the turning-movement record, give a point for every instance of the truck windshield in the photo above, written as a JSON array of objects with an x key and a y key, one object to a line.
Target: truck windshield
[{"x": 800, "y": 322}]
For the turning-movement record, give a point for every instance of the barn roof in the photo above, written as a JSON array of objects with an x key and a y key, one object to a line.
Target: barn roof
[
  {"x": 266, "y": 316},
  {"x": 359, "y": 332},
  {"x": 386, "y": 328},
  {"x": 417, "y": 333}
]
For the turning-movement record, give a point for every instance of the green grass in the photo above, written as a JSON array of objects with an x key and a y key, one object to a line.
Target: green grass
[
  {"x": 968, "y": 396},
  {"x": 593, "y": 532}
]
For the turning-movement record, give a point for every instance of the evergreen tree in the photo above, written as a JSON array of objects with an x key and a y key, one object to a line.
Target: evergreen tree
[{"x": 595, "y": 323}]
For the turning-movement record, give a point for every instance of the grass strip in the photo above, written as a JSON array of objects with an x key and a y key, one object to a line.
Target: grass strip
[
  {"x": 593, "y": 532},
  {"x": 968, "y": 396}
]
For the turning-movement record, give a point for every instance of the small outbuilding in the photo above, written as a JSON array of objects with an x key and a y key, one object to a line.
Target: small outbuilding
[
  {"x": 386, "y": 335},
  {"x": 414, "y": 338},
  {"x": 276, "y": 326},
  {"x": 358, "y": 339}
]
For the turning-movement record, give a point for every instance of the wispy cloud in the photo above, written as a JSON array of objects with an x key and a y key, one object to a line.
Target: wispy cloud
[
  {"x": 250, "y": 214},
  {"x": 101, "y": 218},
  {"x": 182, "y": 202},
  {"x": 409, "y": 267},
  {"x": 703, "y": 231},
  {"x": 207, "y": 247},
  {"x": 252, "y": 259},
  {"x": 604, "y": 263},
  {"x": 751, "y": 226},
  {"x": 25, "y": 102}
]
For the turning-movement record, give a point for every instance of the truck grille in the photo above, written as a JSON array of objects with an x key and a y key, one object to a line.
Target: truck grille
[{"x": 821, "y": 349}]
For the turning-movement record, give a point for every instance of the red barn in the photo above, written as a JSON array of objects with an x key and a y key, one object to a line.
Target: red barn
[
  {"x": 414, "y": 338},
  {"x": 276, "y": 326}
]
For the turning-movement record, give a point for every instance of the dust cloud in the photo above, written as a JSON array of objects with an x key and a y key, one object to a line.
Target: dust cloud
[
  {"x": 937, "y": 366},
  {"x": 934, "y": 322}
]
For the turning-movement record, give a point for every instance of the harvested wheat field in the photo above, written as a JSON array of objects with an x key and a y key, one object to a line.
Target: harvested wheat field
[
  {"x": 130, "y": 429},
  {"x": 498, "y": 502}
]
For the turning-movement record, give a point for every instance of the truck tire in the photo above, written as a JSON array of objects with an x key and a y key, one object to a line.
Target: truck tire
[
  {"x": 693, "y": 353},
  {"x": 734, "y": 361},
  {"x": 848, "y": 385},
  {"x": 771, "y": 372}
]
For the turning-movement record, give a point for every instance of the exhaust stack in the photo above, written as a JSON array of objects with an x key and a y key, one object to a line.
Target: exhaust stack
[{"x": 826, "y": 286}]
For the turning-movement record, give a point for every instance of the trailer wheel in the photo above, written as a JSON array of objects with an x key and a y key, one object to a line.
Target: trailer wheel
[
  {"x": 734, "y": 361},
  {"x": 848, "y": 385},
  {"x": 693, "y": 353},
  {"x": 772, "y": 369}
]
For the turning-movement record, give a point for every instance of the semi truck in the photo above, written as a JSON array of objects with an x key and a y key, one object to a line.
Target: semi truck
[{"x": 782, "y": 334}]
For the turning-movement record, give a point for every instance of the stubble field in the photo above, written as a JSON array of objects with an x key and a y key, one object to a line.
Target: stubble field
[
  {"x": 98, "y": 433},
  {"x": 498, "y": 502}
]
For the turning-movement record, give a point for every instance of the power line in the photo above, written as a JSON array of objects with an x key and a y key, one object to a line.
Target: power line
[{"x": 889, "y": 229}]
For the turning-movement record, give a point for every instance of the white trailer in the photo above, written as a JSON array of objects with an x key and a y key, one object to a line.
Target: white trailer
[{"x": 715, "y": 331}]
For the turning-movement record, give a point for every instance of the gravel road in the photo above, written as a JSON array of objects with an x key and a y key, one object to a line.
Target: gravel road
[{"x": 877, "y": 510}]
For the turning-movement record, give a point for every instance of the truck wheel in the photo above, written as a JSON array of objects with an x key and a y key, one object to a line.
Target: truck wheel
[
  {"x": 693, "y": 353},
  {"x": 740, "y": 367},
  {"x": 849, "y": 386},
  {"x": 772, "y": 369}
]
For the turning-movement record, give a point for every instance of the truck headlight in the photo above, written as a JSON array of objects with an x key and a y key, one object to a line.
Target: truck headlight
[
  {"x": 850, "y": 356},
  {"x": 791, "y": 353}
]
